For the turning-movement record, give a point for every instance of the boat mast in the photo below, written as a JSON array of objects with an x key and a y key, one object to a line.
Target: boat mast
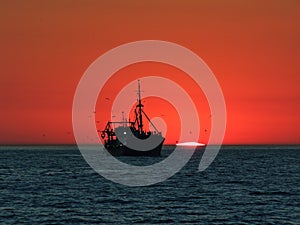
[
  {"x": 123, "y": 119},
  {"x": 140, "y": 105}
]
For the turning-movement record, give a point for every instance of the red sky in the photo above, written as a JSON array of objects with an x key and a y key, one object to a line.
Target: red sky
[{"x": 252, "y": 47}]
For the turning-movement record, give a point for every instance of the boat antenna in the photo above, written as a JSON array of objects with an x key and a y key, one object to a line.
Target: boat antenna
[
  {"x": 139, "y": 91},
  {"x": 140, "y": 105}
]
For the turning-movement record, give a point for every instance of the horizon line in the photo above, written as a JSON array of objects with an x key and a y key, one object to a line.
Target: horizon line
[{"x": 229, "y": 144}]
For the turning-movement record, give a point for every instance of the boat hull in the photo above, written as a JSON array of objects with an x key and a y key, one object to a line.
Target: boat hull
[{"x": 122, "y": 150}]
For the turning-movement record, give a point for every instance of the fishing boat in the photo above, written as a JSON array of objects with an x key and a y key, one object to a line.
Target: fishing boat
[{"x": 129, "y": 138}]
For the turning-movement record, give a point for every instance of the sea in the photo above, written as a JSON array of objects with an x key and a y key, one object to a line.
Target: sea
[{"x": 243, "y": 185}]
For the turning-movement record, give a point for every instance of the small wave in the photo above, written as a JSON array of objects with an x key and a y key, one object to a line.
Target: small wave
[{"x": 270, "y": 193}]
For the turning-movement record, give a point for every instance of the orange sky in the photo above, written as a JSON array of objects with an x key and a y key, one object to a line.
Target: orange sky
[{"x": 252, "y": 47}]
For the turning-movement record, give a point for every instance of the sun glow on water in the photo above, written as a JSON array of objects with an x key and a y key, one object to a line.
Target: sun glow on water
[{"x": 190, "y": 144}]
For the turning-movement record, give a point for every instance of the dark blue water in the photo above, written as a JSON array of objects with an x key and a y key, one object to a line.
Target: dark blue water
[{"x": 244, "y": 185}]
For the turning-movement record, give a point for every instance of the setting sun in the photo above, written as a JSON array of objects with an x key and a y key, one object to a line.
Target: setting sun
[{"x": 190, "y": 144}]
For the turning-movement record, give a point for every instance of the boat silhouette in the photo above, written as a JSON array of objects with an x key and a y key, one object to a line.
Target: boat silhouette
[{"x": 127, "y": 138}]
